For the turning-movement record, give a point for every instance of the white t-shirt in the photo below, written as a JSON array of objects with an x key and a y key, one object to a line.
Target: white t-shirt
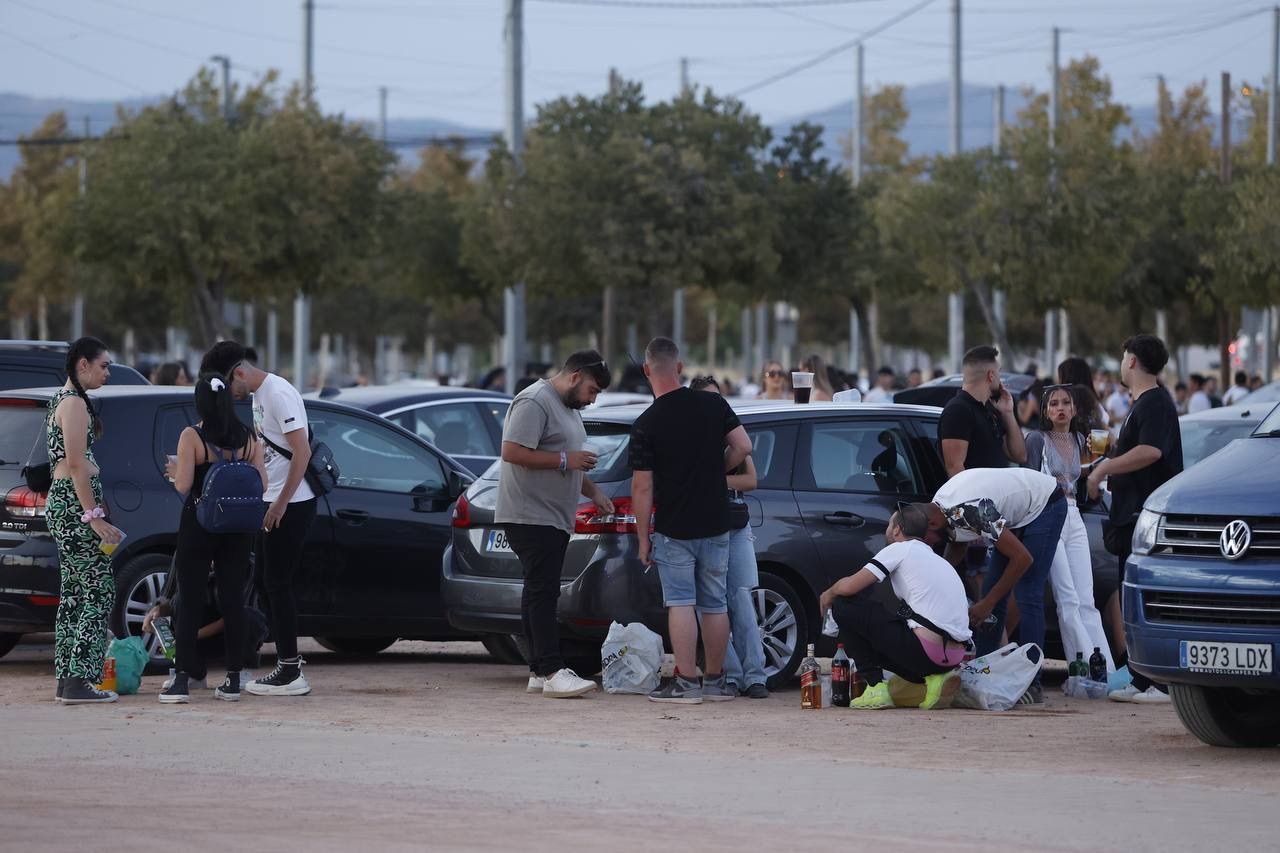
[
  {"x": 1199, "y": 402},
  {"x": 278, "y": 409},
  {"x": 877, "y": 395},
  {"x": 981, "y": 503},
  {"x": 1234, "y": 395},
  {"x": 927, "y": 583}
]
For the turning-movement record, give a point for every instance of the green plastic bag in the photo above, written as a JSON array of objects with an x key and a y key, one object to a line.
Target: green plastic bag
[{"x": 131, "y": 659}]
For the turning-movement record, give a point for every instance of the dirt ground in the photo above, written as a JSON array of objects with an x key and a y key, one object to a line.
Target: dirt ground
[{"x": 435, "y": 746}]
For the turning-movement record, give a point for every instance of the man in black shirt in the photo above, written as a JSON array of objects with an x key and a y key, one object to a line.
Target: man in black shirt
[
  {"x": 678, "y": 459},
  {"x": 1147, "y": 454},
  {"x": 978, "y": 428}
]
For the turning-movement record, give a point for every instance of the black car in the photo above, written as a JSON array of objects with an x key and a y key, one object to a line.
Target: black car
[
  {"x": 830, "y": 475},
  {"x": 938, "y": 392},
  {"x": 463, "y": 422},
  {"x": 371, "y": 569},
  {"x": 36, "y": 364}
]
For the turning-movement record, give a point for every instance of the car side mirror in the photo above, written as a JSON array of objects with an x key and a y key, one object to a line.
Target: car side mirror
[{"x": 457, "y": 485}]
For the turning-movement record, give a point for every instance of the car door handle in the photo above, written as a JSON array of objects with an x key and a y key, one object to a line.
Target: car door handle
[
  {"x": 356, "y": 516},
  {"x": 844, "y": 519}
]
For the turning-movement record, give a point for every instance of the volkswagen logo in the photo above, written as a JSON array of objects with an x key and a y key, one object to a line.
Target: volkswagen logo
[{"x": 1235, "y": 539}]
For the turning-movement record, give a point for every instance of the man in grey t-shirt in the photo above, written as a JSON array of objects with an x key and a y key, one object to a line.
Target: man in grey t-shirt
[{"x": 543, "y": 476}]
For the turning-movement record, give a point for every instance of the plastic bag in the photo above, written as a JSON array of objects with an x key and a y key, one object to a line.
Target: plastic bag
[
  {"x": 131, "y": 659},
  {"x": 1078, "y": 687},
  {"x": 995, "y": 682},
  {"x": 631, "y": 659}
]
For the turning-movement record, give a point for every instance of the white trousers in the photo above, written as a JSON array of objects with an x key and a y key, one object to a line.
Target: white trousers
[{"x": 1079, "y": 621}]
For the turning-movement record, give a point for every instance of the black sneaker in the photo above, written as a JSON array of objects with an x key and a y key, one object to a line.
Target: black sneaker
[
  {"x": 176, "y": 693},
  {"x": 229, "y": 690},
  {"x": 757, "y": 691},
  {"x": 285, "y": 680},
  {"x": 80, "y": 691}
]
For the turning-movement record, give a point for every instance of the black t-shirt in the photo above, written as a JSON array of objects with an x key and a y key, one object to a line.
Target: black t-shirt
[
  {"x": 681, "y": 439},
  {"x": 1153, "y": 421},
  {"x": 966, "y": 419}
]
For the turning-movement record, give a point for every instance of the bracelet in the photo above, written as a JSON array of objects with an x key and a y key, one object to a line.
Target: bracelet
[
  {"x": 564, "y": 460},
  {"x": 90, "y": 514}
]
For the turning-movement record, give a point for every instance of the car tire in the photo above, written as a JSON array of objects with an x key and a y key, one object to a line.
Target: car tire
[
  {"x": 784, "y": 627},
  {"x": 355, "y": 646},
  {"x": 503, "y": 647},
  {"x": 1227, "y": 716},
  {"x": 7, "y": 641},
  {"x": 138, "y": 587}
]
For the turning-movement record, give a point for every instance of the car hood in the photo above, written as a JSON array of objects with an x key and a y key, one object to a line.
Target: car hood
[{"x": 1237, "y": 480}]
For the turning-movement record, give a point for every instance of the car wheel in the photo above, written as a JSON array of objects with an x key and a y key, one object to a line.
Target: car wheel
[
  {"x": 784, "y": 628},
  {"x": 7, "y": 641},
  {"x": 504, "y": 648},
  {"x": 1227, "y": 716},
  {"x": 355, "y": 646},
  {"x": 138, "y": 588}
]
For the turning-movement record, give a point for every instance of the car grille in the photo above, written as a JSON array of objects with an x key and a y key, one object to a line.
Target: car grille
[
  {"x": 1199, "y": 608},
  {"x": 1197, "y": 535}
]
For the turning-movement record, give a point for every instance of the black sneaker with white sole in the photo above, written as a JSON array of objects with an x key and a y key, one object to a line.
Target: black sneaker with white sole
[
  {"x": 80, "y": 691},
  {"x": 285, "y": 680},
  {"x": 229, "y": 690},
  {"x": 176, "y": 693}
]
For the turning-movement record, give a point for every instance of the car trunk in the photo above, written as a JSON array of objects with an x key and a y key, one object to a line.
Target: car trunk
[{"x": 22, "y": 443}]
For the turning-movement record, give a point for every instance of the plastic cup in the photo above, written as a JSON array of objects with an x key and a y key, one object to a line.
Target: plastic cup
[
  {"x": 1098, "y": 440},
  {"x": 109, "y": 548},
  {"x": 802, "y": 385}
]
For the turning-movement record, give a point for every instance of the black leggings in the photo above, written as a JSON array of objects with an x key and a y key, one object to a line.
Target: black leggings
[
  {"x": 877, "y": 640},
  {"x": 229, "y": 555},
  {"x": 281, "y": 553}
]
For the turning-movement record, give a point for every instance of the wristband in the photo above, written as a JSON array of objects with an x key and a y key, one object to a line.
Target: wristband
[
  {"x": 564, "y": 460},
  {"x": 90, "y": 514}
]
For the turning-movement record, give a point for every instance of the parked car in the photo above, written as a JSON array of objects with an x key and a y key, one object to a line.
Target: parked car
[
  {"x": 1205, "y": 433},
  {"x": 1202, "y": 592},
  {"x": 40, "y": 364},
  {"x": 1268, "y": 394},
  {"x": 371, "y": 567},
  {"x": 938, "y": 392},
  {"x": 463, "y": 422},
  {"x": 830, "y": 476}
]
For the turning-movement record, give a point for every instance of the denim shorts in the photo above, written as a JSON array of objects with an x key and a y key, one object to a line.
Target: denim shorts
[{"x": 693, "y": 571}]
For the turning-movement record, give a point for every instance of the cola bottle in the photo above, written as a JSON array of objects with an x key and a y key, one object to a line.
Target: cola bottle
[
  {"x": 1097, "y": 665},
  {"x": 840, "y": 677},
  {"x": 810, "y": 682}
]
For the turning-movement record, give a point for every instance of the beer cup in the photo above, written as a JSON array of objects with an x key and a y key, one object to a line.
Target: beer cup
[
  {"x": 802, "y": 385},
  {"x": 1098, "y": 439}
]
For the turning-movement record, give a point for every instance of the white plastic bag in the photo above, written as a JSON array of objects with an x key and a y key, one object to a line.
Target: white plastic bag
[
  {"x": 995, "y": 682},
  {"x": 631, "y": 659},
  {"x": 1084, "y": 688}
]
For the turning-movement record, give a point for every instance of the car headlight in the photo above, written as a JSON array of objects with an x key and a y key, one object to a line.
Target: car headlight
[{"x": 1144, "y": 532}]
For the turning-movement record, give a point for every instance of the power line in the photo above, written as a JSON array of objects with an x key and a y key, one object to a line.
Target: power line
[
  {"x": 74, "y": 62},
  {"x": 709, "y": 5}
]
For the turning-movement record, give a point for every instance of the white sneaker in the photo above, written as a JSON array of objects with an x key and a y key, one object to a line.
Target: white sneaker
[
  {"x": 566, "y": 684},
  {"x": 1151, "y": 696},
  {"x": 536, "y": 683},
  {"x": 1123, "y": 694},
  {"x": 284, "y": 680}
]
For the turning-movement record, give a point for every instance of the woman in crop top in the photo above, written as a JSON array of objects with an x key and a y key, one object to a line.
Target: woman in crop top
[{"x": 219, "y": 433}]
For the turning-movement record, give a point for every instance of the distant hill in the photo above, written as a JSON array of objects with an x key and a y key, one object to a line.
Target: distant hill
[{"x": 926, "y": 132}]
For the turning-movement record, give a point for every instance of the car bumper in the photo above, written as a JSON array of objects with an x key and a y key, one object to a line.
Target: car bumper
[
  {"x": 29, "y": 585},
  {"x": 1155, "y": 637}
]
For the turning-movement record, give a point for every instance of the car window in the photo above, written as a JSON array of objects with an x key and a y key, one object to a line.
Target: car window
[
  {"x": 496, "y": 409},
  {"x": 374, "y": 456},
  {"x": 456, "y": 428},
  {"x": 861, "y": 456},
  {"x": 1201, "y": 439},
  {"x": 772, "y": 449},
  {"x": 29, "y": 377},
  {"x": 22, "y": 427},
  {"x": 170, "y": 422}
]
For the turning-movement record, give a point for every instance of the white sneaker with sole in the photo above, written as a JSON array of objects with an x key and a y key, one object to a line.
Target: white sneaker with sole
[
  {"x": 1151, "y": 696},
  {"x": 566, "y": 684},
  {"x": 1123, "y": 694},
  {"x": 536, "y": 683},
  {"x": 285, "y": 680}
]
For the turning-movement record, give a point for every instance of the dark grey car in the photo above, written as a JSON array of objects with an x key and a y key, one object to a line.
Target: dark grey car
[{"x": 830, "y": 476}]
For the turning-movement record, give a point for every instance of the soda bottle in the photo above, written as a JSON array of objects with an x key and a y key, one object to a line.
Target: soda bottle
[
  {"x": 1097, "y": 665},
  {"x": 108, "y": 675},
  {"x": 1078, "y": 666},
  {"x": 840, "y": 678},
  {"x": 810, "y": 682}
]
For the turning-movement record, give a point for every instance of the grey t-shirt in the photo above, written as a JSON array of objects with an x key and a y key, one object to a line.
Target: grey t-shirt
[{"x": 539, "y": 420}]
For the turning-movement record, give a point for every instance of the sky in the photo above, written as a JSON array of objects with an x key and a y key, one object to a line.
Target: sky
[{"x": 444, "y": 58}]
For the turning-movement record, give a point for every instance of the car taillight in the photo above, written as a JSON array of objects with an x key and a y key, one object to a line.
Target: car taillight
[
  {"x": 462, "y": 512},
  {"x": 589, "y": 519},
  {"x": 21, "y": 502}
]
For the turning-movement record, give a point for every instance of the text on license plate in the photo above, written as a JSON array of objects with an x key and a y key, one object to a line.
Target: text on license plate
[
  {"x": 497, "y": 542},
  {"x": 1227, "y": 658}
]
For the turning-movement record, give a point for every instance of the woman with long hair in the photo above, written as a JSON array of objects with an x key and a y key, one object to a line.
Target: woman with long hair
[
  {"x": 1058, "y": 448},
  {"x": 78, "y": 523},
  {"x": 218, "y": 435},
  {"x": 822, "y": 390},
  {"x": 1075, "y": 371},
  {"x": 773, "y": 381}
]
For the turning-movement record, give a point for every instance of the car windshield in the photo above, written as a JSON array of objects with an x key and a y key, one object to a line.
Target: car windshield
[
  {"x": 1270, "y": 425},
  {"x": 1203, "y": 438},
  {"x": 21, "y": 427},
  {"x": 1269, "y": 393},
  {"x": 609, "y": 441}
]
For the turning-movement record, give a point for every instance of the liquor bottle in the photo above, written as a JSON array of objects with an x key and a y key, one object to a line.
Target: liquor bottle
[
  {"x": 810, "y": 682},
  {"x": 840, "y": 678},
  {"x": 1097, "y": 665},
  {"x": 1078, "y": 666}
]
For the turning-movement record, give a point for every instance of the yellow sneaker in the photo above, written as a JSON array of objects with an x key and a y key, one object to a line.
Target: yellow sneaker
[
  {"x": 905, "y": 694},
  {"x": 873, "y": 699},
  {"x": 940, "y": 689}
]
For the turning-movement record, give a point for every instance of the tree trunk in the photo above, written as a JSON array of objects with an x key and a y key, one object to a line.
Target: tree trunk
[
  {"x": 1223, "y": 316},
  {"x": 207, "y": 302},
  {"x": 999, "y": 335},
  {"x": 868, "y": 333}
]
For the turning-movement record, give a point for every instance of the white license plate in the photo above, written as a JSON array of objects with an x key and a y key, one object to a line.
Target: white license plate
[
  {"x": 1227, "y": 658},
  {"x": 497, "y": 542}
]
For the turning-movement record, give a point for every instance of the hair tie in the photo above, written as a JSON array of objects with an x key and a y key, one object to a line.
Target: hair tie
[{"x": 216, "y": 384}]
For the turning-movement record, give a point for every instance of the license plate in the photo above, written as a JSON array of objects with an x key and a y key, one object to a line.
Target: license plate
[
  {"x": 1227, "y": 658},
  {"x": 497, "y": 542}
]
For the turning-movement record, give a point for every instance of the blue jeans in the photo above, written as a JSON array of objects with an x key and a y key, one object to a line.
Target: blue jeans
[
  {"x": 744, "y": 659},
  {"x": 693, "y": 571},
  {"x": 1040, "y": 538}
]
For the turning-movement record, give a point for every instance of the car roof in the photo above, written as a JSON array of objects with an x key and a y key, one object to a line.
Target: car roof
[
  {"x": 381, "y": 398},
  {"x": 1240, "y": 412},
  {"x": 762, "y": 409},
  {"x": 159, "y": 393}
]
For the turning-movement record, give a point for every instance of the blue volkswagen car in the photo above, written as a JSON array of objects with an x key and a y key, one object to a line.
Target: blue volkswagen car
[{"x": 1202, "y": 591}]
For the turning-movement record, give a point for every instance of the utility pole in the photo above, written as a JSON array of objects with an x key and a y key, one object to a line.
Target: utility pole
[
  {"x": 748, "y": 368},
  {"x": 955, "y": 301},
  {"x": 608, "y": 307},
  {"x": 1224, "y": 174},
  {"x": 1273, "y": 127},
  {"x": 1162, "y": 314},
  {"x": 225, "y": 62},
  {"x": 513, "y": 323},
  {"x": 999, "y": 302},
  {"x": 855, "y": 173},
  {"x": 1051, "y": 315},
  {"x": 684, "y": 76},
  {"x": 302, "y": 302},
  {"x": 677, "y": 296},
  {"x": 382, "y": 114}
]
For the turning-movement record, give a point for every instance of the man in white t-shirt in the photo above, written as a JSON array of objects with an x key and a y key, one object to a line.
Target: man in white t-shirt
[
  {"x": 1021, "y": 512},
  {"x": 1117, "y": 406},
  {"x": 925, "y": 640},
  {"x": 281, "y": 422},
  {"x": 1239, "y": 391},
  {"x": 1199, "y": 400}
]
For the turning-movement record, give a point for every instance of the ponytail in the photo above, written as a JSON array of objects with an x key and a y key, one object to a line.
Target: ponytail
[
  {"x": 216, "y": 409},
  {"x": 86, "y": 348}
]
